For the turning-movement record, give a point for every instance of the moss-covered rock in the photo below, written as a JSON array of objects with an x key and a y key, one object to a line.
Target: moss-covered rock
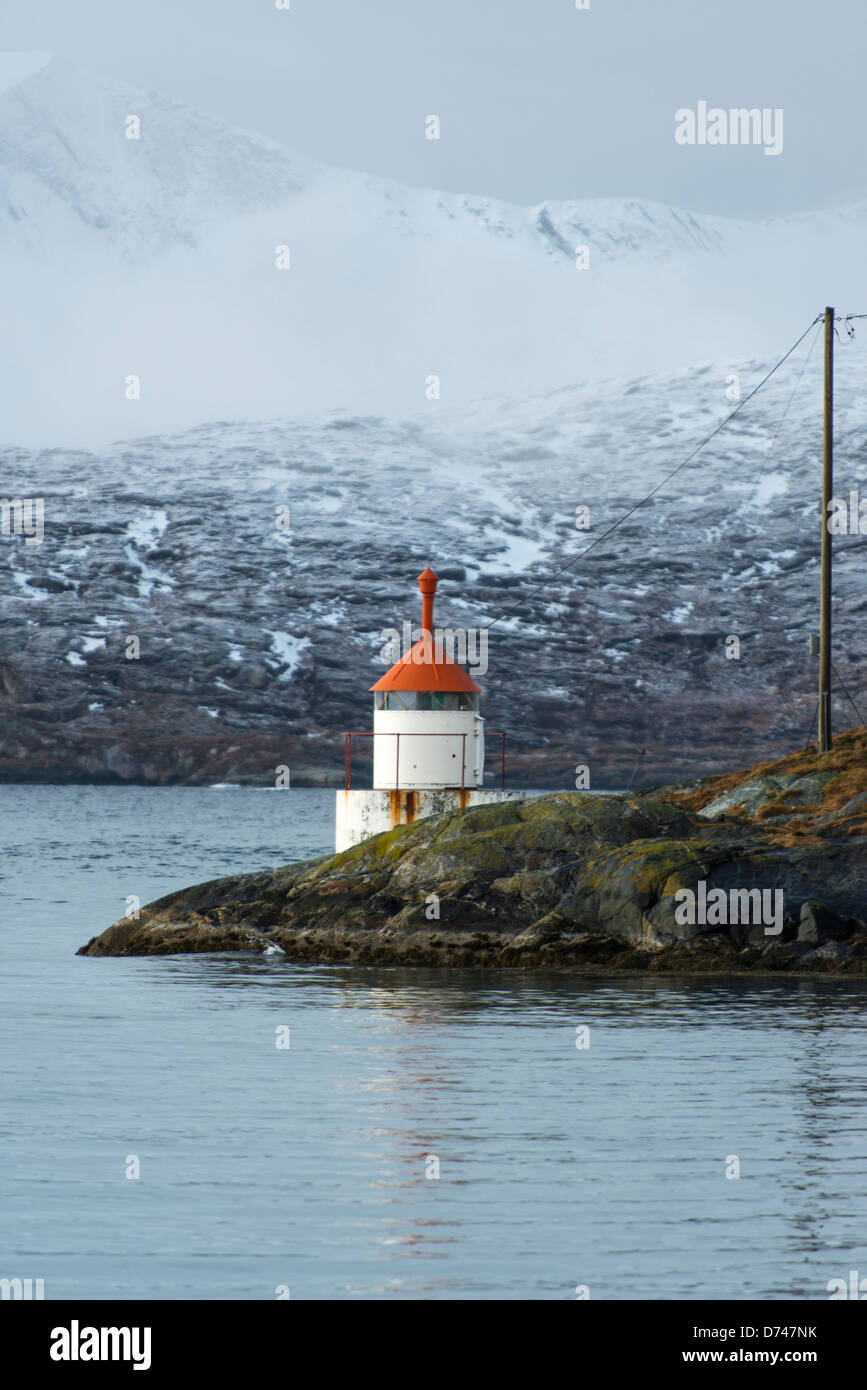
[{"x": 595, "y": 883}]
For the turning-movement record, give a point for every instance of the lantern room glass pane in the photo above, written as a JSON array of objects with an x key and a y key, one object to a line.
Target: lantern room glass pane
[{"x": 426, "y": 699}]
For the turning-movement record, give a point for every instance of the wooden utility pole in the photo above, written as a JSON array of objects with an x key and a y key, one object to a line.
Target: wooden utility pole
[{"x": 827, "y": 492}]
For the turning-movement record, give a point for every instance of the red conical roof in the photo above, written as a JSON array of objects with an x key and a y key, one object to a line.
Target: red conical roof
[{"x": 427, "y": 666}]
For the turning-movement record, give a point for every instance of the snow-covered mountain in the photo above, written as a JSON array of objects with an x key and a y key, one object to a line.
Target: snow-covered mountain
[
  {"x": 560, "y": 387},
  {"x": 258, "y": 645},
  {"x": 155, "y": 258},
  {"x": 71, "y": 174}
]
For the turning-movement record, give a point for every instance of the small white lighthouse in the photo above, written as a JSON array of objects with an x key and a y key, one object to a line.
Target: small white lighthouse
[{"x": 428, "y": 740}]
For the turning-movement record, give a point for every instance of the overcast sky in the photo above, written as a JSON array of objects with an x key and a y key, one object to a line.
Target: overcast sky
[{"x": 536, "y": 98}]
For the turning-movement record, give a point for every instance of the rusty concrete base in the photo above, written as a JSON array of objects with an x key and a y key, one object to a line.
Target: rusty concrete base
[{"x": 365, "y": 812}]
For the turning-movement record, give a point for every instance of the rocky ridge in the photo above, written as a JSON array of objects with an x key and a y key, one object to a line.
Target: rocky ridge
[{"x": 258, "y": 645}]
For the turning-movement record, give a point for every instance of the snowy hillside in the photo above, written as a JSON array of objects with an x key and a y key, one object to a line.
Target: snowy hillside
[
  {"x": 155, "y": 258},
  {"x": 258, "y": 645}
]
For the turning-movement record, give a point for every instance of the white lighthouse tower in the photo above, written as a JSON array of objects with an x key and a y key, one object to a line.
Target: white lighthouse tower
[{"x": 428, "y": 740}]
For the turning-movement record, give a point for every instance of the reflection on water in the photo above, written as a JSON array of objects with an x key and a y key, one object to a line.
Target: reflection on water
[{"x": 558, "y": 1166}]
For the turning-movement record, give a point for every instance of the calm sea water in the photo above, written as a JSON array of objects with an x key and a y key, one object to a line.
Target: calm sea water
[{"x": 307, "y": 1167}]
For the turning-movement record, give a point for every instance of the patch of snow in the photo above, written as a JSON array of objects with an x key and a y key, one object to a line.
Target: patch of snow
[
  {"x": 150, "y": 577},
  {"x": 517, "y": 553},
  {"x": 770, "y": 486},
  {"x": 334, "y": 618},
  {"x": 680, "y": 614},
  {"x": 287, "y": 651},
  {"x": 31, "y": 590},
  {"x": 328, "y": 502},
  {"x": 145, "y": 530}
]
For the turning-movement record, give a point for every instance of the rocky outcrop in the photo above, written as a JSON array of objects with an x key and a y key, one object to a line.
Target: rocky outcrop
[{"x": 643, "y": 882}]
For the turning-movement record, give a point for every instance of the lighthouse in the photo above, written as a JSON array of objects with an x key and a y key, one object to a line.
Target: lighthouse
[
  {"x": 428, "y": 731},
  {"x": 428, "y": 739}
]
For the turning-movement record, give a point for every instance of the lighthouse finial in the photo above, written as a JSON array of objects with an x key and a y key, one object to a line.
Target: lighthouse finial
[{"x": 427, "y": 583}]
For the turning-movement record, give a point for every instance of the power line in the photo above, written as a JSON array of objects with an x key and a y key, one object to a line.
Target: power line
[
  {"x": 770, "y": 449},
  {"x": 847, "y": 320},
  {"x": 667, "y": 479}
]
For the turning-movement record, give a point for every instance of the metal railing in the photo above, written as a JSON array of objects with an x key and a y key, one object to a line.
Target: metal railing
[{"x": 349, "y": 736}]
